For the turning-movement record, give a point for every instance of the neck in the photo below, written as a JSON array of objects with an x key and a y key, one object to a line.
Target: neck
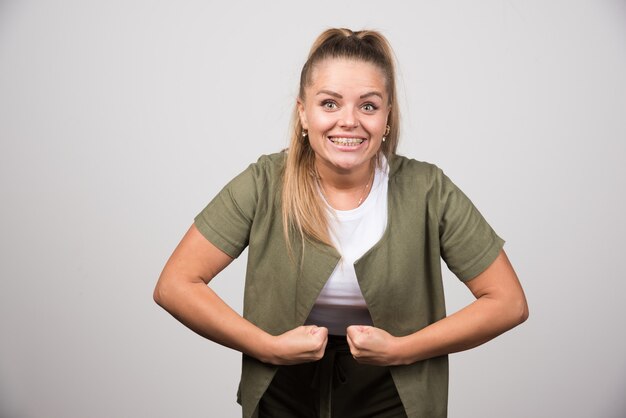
[
  {"x": 344, "y": 180},
  {"x": 346, "y": 190}
]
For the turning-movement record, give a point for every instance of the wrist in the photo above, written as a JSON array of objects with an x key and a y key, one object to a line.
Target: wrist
[
  {"x": 407, "y": 350},
  {"x": 399, "y": 352},
  {"x": 263, "y": 348}
]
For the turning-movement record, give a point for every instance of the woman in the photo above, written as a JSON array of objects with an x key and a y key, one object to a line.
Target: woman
[{"x": 343, "y": 306}]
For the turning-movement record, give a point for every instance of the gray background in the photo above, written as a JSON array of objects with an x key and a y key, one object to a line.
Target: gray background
[{"x": 119, "y": 120}]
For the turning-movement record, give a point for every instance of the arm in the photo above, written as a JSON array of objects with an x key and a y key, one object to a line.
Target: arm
[
  {"x": 499, "y": 306},
  {"x": 182, "y": 291}
]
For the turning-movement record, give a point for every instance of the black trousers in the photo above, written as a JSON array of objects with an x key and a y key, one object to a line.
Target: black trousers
[{"x": 335, "y": 386}]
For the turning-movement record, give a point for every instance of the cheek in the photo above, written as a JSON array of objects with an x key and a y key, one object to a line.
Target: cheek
[
  {"x": 320, "y": 121},
  {"x": 377, "y": 126}
]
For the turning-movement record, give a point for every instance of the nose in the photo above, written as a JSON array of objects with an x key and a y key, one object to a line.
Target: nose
[{"x": 349, "y": 119}]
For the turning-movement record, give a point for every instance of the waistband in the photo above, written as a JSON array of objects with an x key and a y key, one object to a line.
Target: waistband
[{"x": 328, "y": 372}]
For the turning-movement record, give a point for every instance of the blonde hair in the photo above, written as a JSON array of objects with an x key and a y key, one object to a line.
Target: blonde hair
[{"x": 302, "y": 206}]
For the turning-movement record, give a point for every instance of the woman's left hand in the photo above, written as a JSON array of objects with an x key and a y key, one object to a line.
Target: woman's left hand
[
  {"x": 499, "y": 306},
  {"x": 371, "y": 345}
]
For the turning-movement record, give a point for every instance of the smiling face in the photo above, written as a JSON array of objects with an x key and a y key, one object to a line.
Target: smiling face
[{"x": 345, "y": 110}]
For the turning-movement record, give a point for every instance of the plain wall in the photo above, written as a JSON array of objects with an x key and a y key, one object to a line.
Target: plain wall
[{"x": 120, "y": 120}]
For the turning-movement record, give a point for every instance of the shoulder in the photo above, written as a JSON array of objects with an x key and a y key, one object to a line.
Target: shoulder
[
  {"x": 268, "y": 167},
  {"x": 406, "y": 169},
  {"x": 266, "y": 170},
  {"x": 254, "y": 186},
  {"x": 421, "y": 180},
  {"x": 275, "y": 160}
]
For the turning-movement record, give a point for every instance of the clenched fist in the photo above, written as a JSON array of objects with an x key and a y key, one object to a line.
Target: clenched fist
[
  {"x": 371, "y": 345},
  {"x": 299, "y": 345}
]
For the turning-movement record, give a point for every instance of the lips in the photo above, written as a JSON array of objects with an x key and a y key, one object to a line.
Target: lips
[{"x": 343, "y": 141}]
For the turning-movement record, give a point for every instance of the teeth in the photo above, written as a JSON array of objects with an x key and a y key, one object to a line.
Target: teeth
[{"x": 347, "y": 141}]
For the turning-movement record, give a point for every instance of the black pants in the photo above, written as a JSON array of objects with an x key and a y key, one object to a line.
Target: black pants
[{"x": 335, "y": 386}]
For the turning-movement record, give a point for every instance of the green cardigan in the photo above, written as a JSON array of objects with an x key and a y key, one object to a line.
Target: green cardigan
[{"x": 429, "y": 218}]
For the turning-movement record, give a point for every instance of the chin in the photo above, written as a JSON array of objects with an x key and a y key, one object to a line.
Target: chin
[{"x": 348, "y": 165}]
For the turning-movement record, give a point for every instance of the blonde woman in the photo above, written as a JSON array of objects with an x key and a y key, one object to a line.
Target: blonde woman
[{"x": 344, "y": 313}]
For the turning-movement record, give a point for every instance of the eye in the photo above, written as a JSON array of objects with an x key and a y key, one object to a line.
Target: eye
[
  {"x": 369, "y": 107},
  {"x": 329, "y": 104}
]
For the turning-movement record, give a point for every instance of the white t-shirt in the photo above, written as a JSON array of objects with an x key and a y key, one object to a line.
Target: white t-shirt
[{"x": 353, "y": 233}]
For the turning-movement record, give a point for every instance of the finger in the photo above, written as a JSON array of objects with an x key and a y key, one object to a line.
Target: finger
[
  {"x": 349, "y": 339},
  {"x": 312, "y": 329},
  {"x": 323, "y": 331},
  {"x": 351, "y": 334},
  {"x": 318, "y": 340},
  {"x": 320, "y": 336},
  {"x": 356, "y": 337},
  {"x": 364, "y": 329},
  {"x": 323, "y": 335},
  {"x": 353, "y": 350},
  {"x": 353, "y": 330},
  {"x": 323, "y": 349}
]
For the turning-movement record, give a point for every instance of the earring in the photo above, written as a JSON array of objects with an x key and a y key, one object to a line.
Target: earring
[
  {"x": 305, "y": 133},
  {"x": 387, "y": 130}
]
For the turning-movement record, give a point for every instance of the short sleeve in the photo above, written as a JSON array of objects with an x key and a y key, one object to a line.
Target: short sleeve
[
  {"x": 468, "y": 244},
  {"x": 226, "y": 221}
]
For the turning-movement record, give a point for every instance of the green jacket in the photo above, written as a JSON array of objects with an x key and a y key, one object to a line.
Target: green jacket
[{"x": 429, "y": 218}]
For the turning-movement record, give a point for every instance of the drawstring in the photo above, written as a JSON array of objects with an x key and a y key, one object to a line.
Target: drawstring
[{"x": 328, "y": 372}]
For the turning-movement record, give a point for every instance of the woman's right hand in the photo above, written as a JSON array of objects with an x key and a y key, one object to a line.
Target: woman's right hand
[
  {"x": 182, "y": 290},
  {"x": 299, "y": 345}
]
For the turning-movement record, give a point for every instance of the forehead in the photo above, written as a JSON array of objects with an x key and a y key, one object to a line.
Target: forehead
[{"x": 343, "y": 73}]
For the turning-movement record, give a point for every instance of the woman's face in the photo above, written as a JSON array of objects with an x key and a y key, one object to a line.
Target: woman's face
[{"x": 345, "y": 111}]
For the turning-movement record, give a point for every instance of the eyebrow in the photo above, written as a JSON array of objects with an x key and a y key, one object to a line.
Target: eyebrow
[
  {"x": 339, "y": 96},
  {"x": 371, "y": 93}
]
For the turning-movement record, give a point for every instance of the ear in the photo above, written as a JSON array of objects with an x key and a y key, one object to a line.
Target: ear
[{"x": 302, "y": 114}]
